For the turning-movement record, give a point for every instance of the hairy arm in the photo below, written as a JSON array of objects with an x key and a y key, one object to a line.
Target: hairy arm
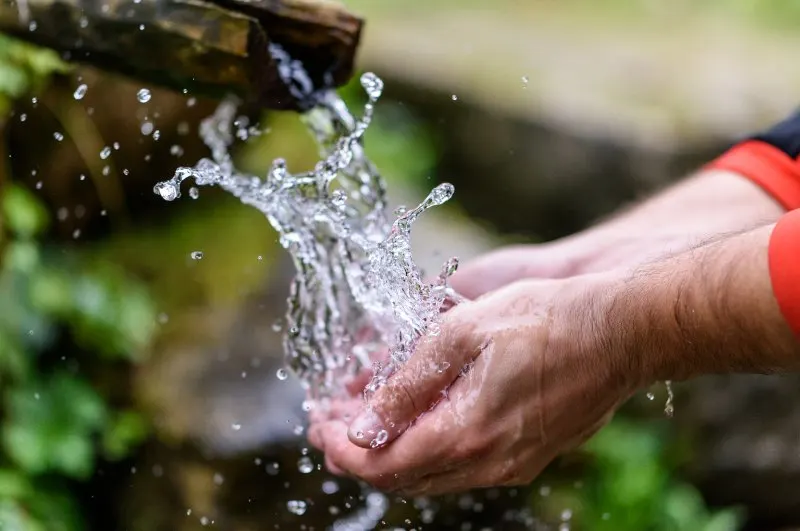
[
  {"x": 708, "y": 203},
  {"x": 710, "y": 309}
]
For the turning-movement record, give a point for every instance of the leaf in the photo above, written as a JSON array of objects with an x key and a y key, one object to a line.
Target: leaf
[
  {"x": 127, "y": 430},
  {"x": 26, "y": 447},
  {"x": 23, "y": 213},
  {"x": 727, "y": 520},
  {"x": 71, "y": 453},
  {"x": 13, "y": 517},
  {"x": 13, "y": 484},
  {"x": 50, "y": 292},
  {"x": 21, "y": 256}
]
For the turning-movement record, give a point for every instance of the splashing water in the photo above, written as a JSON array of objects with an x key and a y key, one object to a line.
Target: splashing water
[{"x": 356, "y": 288}]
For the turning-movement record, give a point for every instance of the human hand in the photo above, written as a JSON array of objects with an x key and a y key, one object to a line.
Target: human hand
[{"x": 512, "y": 380}]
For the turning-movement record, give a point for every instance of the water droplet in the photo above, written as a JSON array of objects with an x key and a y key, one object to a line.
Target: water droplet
[
  {"x": 525, "y": 81},
  {"x": 197, "y": 255},
  {"x": 147, "y": 128},
  {"x": 143, "y": 95},
  {"x": 23, "y": 117},
  {"x": 359, "y": 435},
  {"x": 373, "y": 85},
  {"x": 236, "y": 427},
  {"x": 36, "y": 396},
  {"x": 297, "y": 507},
  {"x": 105, "y": 153},
  {"x": 76, "y": 234},
  {"x": 167, "y": 191},
  {"x": 651, "y": 395},
  {"x": 273, "y": 469},
  {"x": 176, "y": 150},
  {"x": 58, "y": 136},
  {"x": 194, "y": 193},
  {"x": 399, "y": 211},
  {"x": 305, "y": 466},
  {"x": 441, "y": 193},
  {"x": 219, "y": 479},
  {"x": 454, "y": 97},
  {"x": 32, "y": 26},
  {"x": 381, "y": 438},
  {"x": 80, "y": 92},
  {"x": 298, "y": 430},
  {"x": 669, "y": 408},
  {"x": 282, "y": 374},
  {"x": 330, "y": 487},
  {"x": 277, "y": 326}
]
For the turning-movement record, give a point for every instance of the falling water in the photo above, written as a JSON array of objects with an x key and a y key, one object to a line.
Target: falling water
[{"x": 356, "y": 289}]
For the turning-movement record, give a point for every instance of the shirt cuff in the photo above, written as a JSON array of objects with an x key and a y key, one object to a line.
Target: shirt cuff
[
  {"x": 767, "y": 166},
  {"x": 784, "y": 270}
]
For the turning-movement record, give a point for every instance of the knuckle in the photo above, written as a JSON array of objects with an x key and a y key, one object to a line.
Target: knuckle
[
  {"x": 509, "y": 475},
  {"x": 471, "y": 448},
  {"x": 380, "y": 481}
]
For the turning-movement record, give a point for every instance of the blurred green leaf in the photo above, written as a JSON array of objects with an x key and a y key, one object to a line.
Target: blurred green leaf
[
  {"x": 726, "y": 520},
  {"x": 50, "y": 426},
  {"x": 50, "y": 292},
  {"x": 21, "y": 256},
  {"x": 13, "y": 484},
  {"x": 25, "y": 67},
  {"x": 13, "y": 517},
  {"x": 23, "y": 214},
  {"x": 125, "y": 431},
  {"x": 14, "y": 363},
  {"x": 26, "y": 446}
]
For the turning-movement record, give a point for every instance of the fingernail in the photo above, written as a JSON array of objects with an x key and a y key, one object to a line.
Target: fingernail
[{"x": 364, "y": 428}]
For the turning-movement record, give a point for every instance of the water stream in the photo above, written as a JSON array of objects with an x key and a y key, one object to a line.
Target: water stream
[{"x": 357, "y": 288}]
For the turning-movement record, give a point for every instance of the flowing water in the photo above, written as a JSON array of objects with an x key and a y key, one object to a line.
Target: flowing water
[{"x": 356, "y": 288}]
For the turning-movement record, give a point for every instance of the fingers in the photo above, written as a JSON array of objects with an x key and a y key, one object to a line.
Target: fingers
[
  {"x": 418, "y": 384},
  {"x": 496, "y": 269},
  {"x": 425, "y": 449}
]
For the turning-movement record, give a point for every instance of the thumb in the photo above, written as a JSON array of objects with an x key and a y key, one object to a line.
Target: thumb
[{"x": 417, "y": 385}]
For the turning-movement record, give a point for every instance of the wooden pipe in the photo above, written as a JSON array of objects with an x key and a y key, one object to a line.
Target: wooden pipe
[{"x": 278, "y": 54}]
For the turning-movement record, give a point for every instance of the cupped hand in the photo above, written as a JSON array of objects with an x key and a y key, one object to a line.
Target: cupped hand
[{"x": 512, "y": 380}]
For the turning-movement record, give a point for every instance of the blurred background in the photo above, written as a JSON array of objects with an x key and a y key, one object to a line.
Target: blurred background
[{"x": 138, "y": 386}]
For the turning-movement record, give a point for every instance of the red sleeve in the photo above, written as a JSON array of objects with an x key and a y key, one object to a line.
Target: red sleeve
[
  {"x": 784, "y": 267},
  {"x": 766, "y": 165}
]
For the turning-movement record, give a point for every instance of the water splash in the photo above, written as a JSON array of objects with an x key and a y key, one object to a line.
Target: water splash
[{"x": 357, "y": 288}]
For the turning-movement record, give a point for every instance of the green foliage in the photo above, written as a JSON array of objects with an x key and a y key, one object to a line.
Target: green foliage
[
  {"x": 24, "y": 68},
  {"x": 631, "y": 486},
  {"x": 54, "y": 425}
]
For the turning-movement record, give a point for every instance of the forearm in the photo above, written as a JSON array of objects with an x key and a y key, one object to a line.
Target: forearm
[
  {"x": 708, "y": 203},
  {"x": 710, "y": 309}
]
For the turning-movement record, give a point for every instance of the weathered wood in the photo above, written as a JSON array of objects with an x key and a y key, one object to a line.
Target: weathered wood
[{"x": 251, "y": 48}]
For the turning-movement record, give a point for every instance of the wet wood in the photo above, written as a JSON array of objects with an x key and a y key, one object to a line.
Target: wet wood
[{"x": 209, "y": 47}]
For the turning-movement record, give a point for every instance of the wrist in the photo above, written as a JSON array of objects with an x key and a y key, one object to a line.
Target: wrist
[{"x": 582, "y": 327}]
